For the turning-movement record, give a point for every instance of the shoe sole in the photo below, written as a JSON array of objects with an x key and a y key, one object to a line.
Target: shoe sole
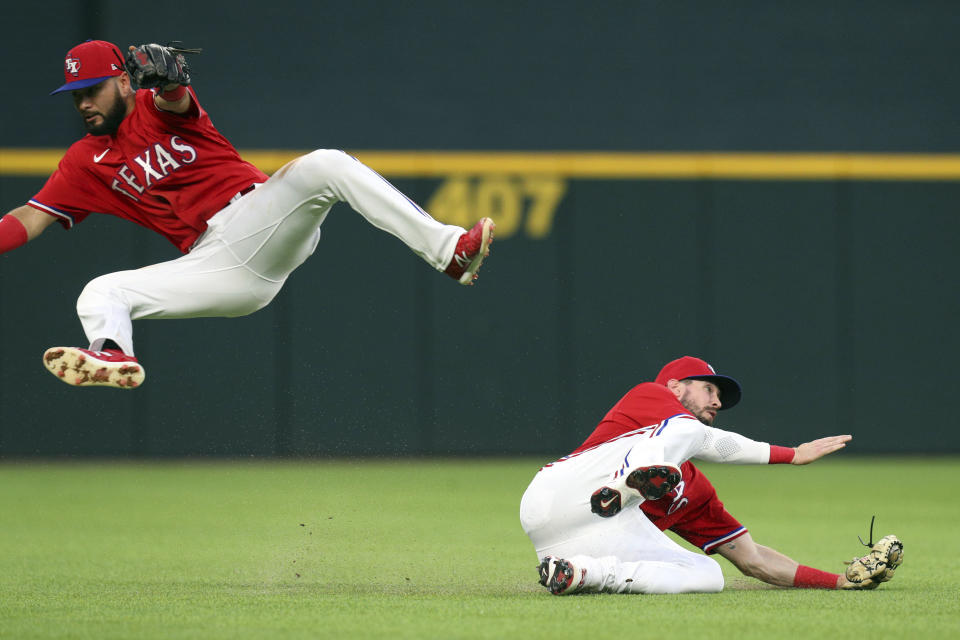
[
  {"x": 654, "y": 482},
  {"x": 551, "y": 580},
  {"x": 75, "y": 368},
  {"x": 605, "y": 502},
  {"x": 470, "y": 273}
]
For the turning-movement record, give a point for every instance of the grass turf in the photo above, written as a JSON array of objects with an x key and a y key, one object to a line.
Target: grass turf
[{"x": 433, "y": 549}]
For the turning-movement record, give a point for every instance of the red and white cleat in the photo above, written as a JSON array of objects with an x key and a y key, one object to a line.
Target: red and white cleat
[
  {"x": 84, "y": 368},
  {"x": 560, "y": 576},
  {"x": 472, "y": 247},
  {"x": 650, "y": 483}
]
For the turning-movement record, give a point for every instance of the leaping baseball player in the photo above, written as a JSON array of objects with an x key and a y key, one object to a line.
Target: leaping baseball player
[
  {"x": 596, "y": 517},
  {"x": 153, "y": 156}
]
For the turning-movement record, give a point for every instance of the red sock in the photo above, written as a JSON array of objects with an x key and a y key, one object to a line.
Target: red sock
[{"x": 810, "y": 578}]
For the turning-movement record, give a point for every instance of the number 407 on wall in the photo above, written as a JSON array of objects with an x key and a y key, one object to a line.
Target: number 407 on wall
[{"x": 518, "y": 204}]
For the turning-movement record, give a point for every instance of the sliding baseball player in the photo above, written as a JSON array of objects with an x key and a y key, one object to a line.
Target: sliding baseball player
[{"x": 596, "y": 517}]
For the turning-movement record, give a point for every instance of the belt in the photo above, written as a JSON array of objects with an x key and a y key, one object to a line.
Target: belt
[{"x": 241, "y": 193}]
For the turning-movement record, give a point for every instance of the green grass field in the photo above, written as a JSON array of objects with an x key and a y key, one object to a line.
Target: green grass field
[{"x": 434, "y": 549}]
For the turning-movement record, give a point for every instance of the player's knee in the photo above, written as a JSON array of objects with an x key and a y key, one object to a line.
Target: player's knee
[
  {"x": 94, "y": 296},
  {"x": 535, "y": 511},
  {"x": 711, "y": 576},
  {"x": 327, "y": 160}
]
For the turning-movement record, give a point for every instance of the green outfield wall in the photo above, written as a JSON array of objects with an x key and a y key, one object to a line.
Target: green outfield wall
[{"x": 771, "y": 187}]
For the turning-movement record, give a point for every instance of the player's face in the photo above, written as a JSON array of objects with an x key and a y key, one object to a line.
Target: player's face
[
  {"x": 101, "y": 106},
  {"x": 701, "y": 398}
]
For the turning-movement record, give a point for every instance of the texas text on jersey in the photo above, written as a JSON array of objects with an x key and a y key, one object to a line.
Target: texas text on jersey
[{"x": 165, "y": 171}]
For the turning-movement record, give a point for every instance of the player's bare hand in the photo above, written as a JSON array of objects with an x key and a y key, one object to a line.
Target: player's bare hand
[{"x": 810, "y": 451}]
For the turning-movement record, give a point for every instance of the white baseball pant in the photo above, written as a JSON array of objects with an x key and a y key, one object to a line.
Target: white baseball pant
[
  {"x": 625, "y": 553},
  {"x": 250, "y": 248}
]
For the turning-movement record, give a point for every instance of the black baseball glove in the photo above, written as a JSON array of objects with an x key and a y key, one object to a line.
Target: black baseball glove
[{"x": 156, "y": 65}]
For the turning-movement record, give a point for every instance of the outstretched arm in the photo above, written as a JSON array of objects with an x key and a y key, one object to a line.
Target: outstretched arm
[
  {"x": 684, "y": 437},
  {"x": 729, "y": 447}
]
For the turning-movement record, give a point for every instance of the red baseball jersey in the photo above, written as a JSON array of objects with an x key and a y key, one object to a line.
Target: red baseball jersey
[
  {"x": 165, "y": 171},
  {"x": 692, "y": 510}
]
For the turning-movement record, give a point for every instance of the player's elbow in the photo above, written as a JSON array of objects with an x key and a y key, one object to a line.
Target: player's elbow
[
  {"x": 748, "y": 560},
  {"x": 33, "y": 221},
  {"x": 752, "y": 568}
]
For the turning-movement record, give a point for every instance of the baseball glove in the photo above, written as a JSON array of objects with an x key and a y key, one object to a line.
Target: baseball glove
[
  {"x": 155, "y": 65},
  {"x": 877, "y": 566}
]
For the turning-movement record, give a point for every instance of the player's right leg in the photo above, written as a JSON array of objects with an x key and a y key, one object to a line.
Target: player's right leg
[
  {"x": 641, "y": 474},
  {"x": 80, "y": 367},
  {"x": 208, "y": 282}
]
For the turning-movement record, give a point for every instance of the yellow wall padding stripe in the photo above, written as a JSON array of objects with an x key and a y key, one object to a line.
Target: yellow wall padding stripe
[{"x": 595, "y": 165}]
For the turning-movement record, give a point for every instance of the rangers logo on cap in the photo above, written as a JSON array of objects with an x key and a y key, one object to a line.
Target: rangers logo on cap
[{"x": 90, "y": 63}]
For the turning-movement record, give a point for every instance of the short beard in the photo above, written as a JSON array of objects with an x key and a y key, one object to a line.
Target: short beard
[
  {"x": 700, "y": 415},
  {"x": 111, "y": 119}
]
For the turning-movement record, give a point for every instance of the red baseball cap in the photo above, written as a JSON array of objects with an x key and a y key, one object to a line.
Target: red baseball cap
[
  {"x": 90, "y": 63},
  {"x": 690, "y": 368}
]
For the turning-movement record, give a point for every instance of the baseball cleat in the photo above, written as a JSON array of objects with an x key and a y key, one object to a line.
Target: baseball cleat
[
  {"x": 472, "y": 247},
  {"x": 84, "y": 368},
  {"x": 605, "y": 502},
  {"x": 650, "y": 483},
  {"x": 654, "y": 482},
  {"x": 560, "y": 576}
]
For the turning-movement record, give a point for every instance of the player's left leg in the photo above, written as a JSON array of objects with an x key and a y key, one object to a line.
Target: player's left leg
[
  {"x": 671, "y": 573},
  {"x": 628, "y": 554},
  {"x": 325, "y": 177}
]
